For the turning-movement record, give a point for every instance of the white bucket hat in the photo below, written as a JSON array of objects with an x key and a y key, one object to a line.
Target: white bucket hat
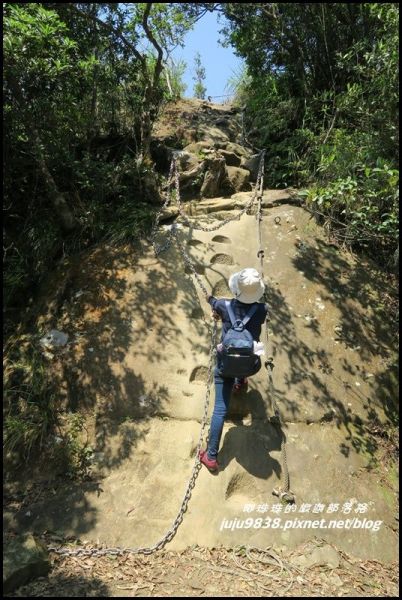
[{"x": 247, "y": 286}]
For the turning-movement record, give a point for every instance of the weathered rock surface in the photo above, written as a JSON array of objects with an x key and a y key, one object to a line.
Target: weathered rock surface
[
  {"x": 231, "y": 159},
  {"x": 24, "y": 559},
  {"x": 198, "y": 148},
  {"x": 234, "y": 148},
  {"x": 251, "y": 164},
  {"x": 145, "y": 385},
  {"x": 214, "y": 177},
  {"x": 139, "y": 371},
  {"x": 191, "y": 172},
  {"x": 324, "y": 555},
  {"x": 238, "y": 179},
  {"x": 187, "y": 160}
]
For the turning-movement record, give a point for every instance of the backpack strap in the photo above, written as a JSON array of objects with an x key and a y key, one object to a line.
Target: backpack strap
[
  {"x": 232, "y": 316},
  {"x": 229, "y": 308},
  {"x": 250, "y": 314}
]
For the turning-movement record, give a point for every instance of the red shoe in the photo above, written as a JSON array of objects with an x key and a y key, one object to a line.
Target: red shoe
[
  {"x": 212, "y": 465},
  {"x": 241, "y": 387}
]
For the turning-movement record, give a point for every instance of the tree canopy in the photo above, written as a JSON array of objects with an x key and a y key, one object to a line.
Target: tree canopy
[
  {"x": 84, "y": 83},
  {"x": 79, "y": 80},
  {"x": 83, "y": 86},
  {"x": 322, "y": 98}
]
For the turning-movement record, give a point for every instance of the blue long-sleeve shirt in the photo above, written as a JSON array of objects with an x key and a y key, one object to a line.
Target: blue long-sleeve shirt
[{"x": 240, "y": 310}]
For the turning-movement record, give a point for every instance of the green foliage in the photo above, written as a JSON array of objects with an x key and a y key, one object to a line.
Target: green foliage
[
  {"x": 70, "y": 452},
  {"x": 36, "y": 43},
  {"x": 320, "y": 85},
  {"x": 32, "y": 422},
  {"x": 365, "y": 208},
  {"x": 239, "y": 85},
  {"x": 168, "y": 21},
  {"x": 129, "y": 225},
  {"x": 322, "y": 98},
  {"x": 31, "y": 414},
  {"x": 174, "y": 72},
  {"x": 83, "y": 86},
  {"x": 80, "y": 81},
  {"x": 199, "y": 88},
  {"x": 28, "y": 401}
]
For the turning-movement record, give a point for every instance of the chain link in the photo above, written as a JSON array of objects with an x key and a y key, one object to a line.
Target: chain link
[
  {"x": 260, "y": 253},
  {"x": 256, "y": 193},
  {"x": 173, "y": 235},
  {"x": 96, "y": 552},
  {"x": 175, "y": 173},
  {"x": 159, "y": 249},
  {"x": 284, "y": 492}
]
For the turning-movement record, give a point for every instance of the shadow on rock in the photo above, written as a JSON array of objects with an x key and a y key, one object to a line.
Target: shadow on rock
[{"x": 250, "y": 445}]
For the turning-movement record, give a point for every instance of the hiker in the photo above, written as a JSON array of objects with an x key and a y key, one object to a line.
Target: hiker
[{"x": 242, "y": 317}]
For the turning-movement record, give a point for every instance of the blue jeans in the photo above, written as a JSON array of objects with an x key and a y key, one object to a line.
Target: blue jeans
[{"x": 223, "y": 392}]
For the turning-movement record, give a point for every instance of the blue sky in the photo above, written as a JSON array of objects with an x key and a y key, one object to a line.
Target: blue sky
[{"x": 219, "y": 62}]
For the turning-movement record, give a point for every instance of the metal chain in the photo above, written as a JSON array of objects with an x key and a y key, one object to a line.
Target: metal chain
[
  {"x": 283, "y": 493},
  {"x": 159, "y": 249},
  {"x": 260, "y": 253},
  {"x": 228, "y": 219},
  {"x": 95, "y": 552},
  {"x": 173, "y": 234}
]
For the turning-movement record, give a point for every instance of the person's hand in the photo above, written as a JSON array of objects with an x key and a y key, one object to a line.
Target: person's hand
[{"x": 215, "y": 316}]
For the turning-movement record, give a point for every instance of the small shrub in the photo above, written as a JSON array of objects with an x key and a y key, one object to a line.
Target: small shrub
[
  {"x": 70, "y": 452},
  {"x": 28, "y": 400}
]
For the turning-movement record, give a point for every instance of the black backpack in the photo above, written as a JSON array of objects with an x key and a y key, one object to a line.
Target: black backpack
[{"x": 237, "y": 358}]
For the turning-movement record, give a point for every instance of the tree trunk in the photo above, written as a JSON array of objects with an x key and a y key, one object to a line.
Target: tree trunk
[
  {"x": 396, "y": 259},
  {"x": 150, "y": 100},
  {"x": 93, "y": 124},
  {"x": 61, "y": 208},
  {"x": 146, "y": 127},
  {"x": 151, "y": 81},
  {"x": 168, "y": 81}
]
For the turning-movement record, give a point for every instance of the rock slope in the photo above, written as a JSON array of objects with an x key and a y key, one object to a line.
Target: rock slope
[{"x": 138, "y": 371}]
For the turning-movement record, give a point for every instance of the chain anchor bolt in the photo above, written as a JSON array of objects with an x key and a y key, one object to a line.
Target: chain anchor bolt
[{"x": 285, "y": 497}]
